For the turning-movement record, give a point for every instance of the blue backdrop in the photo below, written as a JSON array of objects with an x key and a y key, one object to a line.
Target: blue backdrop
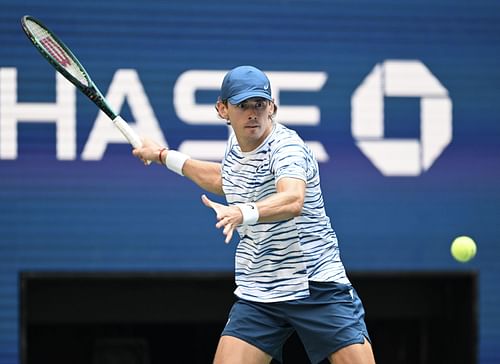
[{"x": 77, "y": 209}]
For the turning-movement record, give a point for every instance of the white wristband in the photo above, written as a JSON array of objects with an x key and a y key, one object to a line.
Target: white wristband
[
  {"x": 175, "y": 161},
  {"x": 250, "y": 213}
]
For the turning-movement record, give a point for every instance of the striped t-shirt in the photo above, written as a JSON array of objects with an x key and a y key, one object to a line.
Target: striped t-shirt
[{"x": 275, "y": 261}]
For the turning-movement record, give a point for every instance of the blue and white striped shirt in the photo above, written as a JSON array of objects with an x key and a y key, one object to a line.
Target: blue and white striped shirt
[{"x": 275, "y": 261}]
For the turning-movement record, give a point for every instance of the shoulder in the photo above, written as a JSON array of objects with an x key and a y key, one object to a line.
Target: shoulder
[
  {"x": 285, "y": 137},
  {"x": 286, "y": 141},
  {"x": 285, "y": 131}
]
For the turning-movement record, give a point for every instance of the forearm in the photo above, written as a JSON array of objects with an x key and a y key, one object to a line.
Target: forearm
[
  {"x": 207, "y": 175},
  {"x": 285, "y": 204},
  {"x": 280, "y": 206}
]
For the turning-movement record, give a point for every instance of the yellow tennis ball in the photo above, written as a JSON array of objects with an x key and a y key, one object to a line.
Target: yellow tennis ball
[{"x": 463, "y": 249}]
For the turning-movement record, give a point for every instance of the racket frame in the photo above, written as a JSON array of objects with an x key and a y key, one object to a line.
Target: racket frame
[{"x": 90, "y": 90}]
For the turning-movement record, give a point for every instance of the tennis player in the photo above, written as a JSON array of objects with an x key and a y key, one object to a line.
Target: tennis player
[{"x": 289, "y": 274}]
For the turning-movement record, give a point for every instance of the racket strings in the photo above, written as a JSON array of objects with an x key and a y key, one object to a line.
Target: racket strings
[{"x": 53, "y": 48}]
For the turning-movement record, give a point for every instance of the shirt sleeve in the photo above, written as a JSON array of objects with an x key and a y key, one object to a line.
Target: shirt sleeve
[{"x": 290, "y": 159}]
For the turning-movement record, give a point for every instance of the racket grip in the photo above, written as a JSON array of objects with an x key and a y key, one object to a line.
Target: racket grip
[{"x": 127, "y": 132}]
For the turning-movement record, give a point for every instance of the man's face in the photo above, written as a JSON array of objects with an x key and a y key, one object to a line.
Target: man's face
[{"x": 251, "y": 121}]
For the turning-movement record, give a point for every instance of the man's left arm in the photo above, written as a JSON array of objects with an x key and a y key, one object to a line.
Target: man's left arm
[{"x": 286, "y": 203}]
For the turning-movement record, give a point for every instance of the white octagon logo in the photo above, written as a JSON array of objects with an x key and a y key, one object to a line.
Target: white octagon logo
[{"x": 401, "y": 157}]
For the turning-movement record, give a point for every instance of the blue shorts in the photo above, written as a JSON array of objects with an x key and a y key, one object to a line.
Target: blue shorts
[{"x": 331, "y": 318}]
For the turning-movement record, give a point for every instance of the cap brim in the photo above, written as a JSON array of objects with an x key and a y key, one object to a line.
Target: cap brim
[{"x": 248, "y": 95}]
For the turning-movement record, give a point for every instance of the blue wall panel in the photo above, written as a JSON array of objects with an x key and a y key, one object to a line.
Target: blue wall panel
[{"x": 114, "y": 214}]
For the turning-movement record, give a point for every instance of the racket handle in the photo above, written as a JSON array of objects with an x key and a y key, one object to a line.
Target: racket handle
[{"x": 127, "y": 132}]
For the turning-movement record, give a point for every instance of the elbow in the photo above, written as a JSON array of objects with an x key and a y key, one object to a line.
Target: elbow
[{"x": 296, "y": 208}]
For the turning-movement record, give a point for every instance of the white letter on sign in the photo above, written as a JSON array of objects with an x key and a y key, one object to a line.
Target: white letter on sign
[
  {"x": 125, "y": 85},
  {"x": 62, "y": 112}
]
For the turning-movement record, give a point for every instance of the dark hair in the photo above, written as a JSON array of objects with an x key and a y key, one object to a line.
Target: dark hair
[{"x": 275, "y": 111}]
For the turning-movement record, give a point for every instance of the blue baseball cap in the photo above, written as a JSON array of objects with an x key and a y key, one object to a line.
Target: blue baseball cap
[{"x": 244, "y": 82}]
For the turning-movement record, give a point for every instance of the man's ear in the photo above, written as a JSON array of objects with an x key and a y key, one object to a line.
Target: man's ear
[
  {"x": 274, "y": 109},
  {"x": 222, "y": 110}
]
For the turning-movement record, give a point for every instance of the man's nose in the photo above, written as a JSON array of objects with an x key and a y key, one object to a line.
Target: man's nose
[{"x": 252, "y": 113}]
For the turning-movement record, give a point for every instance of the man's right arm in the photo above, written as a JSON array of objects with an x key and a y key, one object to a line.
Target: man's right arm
[{"x": 207, "y": 175}]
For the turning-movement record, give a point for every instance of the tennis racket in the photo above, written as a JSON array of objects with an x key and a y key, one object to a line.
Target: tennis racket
[{"x": 65, "y": 62}]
